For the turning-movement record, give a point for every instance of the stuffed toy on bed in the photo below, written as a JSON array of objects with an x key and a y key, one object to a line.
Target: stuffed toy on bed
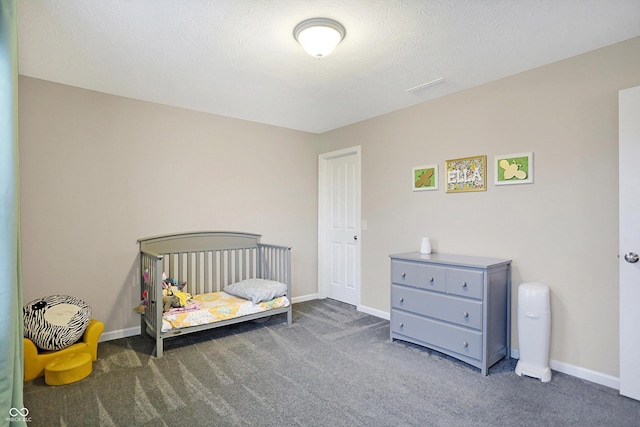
[
  {"x": 173, "y": 295},
  {"x": 55, "y": 322}
]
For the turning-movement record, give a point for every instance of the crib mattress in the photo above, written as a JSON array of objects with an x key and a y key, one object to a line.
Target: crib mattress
[{"x": 218, "y": 306}]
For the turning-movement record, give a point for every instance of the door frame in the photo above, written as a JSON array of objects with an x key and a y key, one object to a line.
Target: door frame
[{"x": 323, "y": 216}]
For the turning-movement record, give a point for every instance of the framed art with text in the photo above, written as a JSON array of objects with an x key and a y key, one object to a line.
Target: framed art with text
[{"x": 466, "y": 174}]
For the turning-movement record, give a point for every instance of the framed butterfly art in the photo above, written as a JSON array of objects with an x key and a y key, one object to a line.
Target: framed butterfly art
[
  {"x": 425, "y": 178},
  {"x": 514, "y": 169}
]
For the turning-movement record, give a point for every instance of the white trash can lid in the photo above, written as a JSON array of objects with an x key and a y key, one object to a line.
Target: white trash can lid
[{"x": 534, "y": 296}]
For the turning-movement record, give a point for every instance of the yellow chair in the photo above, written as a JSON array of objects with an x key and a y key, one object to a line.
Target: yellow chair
[{"x": 34, "y": 362}]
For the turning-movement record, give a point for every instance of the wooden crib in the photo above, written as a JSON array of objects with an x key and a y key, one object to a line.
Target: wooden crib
[{"x": 209, "y": 261}]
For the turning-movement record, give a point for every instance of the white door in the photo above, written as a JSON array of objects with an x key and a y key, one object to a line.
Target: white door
[
  {"x": 629, "y": 155},
  {"x": 339, "y": 226}
]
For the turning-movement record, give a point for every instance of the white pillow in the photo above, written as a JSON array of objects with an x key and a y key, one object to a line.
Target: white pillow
[{"x": 257, "y": 290}]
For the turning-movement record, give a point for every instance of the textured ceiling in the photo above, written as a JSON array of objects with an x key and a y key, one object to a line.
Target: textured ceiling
[{"x": 238, "y": 58}]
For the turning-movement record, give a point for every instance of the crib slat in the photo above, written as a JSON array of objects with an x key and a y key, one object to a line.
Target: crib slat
[
  {"x": 237, "y": 266},
  {"x": 216, "y": 277},
  {"x": 207, "y": 272},
  {"x": 222, "y": 269},
  {"x": 189, "y": 266},
  {"x": 198, "y": 279},
  {"x": 181, "y": 269}
]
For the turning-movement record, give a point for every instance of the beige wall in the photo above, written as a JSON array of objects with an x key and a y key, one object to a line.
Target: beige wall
[
  {"x": 562, "y": 230},
  {"x": 98, "y": 172}
]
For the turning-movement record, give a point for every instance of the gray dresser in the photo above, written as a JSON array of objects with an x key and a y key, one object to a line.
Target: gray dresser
[{"x": 457, "y": 305}]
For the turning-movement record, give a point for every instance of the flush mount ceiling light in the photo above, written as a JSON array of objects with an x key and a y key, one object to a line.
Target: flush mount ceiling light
[{"x": 319, "y": 36}]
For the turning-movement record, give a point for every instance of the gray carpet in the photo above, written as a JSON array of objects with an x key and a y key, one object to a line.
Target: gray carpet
[{"x": 334, "y": 366}]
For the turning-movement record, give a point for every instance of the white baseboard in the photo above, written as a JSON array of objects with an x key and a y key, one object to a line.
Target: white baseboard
[
  {"x": 585, "y": 374},
  {"x": 578, "y": 372},
  {"x": 121, "y": 333},
  {"x": 304, "y": 298},
  {"x": 374, "y": 312},
  {"x": 362, "y": 308}
]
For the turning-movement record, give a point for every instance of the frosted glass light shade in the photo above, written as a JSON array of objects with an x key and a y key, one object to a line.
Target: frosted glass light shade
[{"x": 319, "y": 36}]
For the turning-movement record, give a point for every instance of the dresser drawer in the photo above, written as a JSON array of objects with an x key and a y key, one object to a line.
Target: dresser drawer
[
  {"x": 404, "y": 273},
  {"x": 467, "y": 283},
  {"x": 461, "y": 311},
  {"x": 432, "y": 278},
  {"x": 463, "y": 341}
]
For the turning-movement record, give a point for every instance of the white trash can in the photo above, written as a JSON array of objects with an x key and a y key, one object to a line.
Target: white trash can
[{"x": 534, "y": 331}]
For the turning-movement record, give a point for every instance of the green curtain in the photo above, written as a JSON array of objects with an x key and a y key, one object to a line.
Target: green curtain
[{"x": 12, "y": 411}]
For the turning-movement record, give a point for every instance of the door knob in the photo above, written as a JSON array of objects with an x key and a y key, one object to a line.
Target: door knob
[
  {"x": 631, "y": 257},
  {"x": 355, "y": 237}
]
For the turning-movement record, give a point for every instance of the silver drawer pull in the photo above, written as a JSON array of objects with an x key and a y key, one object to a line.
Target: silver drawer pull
[
  {"x": 431, "y": 279},
  {"x": 463, "y": 284},
  {"x": 465, "y": 344},
  {"x": 465, "y": 314},
  {"x": 401, "y": 299},
  {"x": 404, "y": 275},
  {"x": 401, "y": 325}
]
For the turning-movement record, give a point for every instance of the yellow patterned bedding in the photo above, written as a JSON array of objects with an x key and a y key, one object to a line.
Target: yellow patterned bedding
[{"x": 215, "y": 307}]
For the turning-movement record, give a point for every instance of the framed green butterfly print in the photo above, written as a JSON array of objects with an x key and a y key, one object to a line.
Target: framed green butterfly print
[
  {"x": 514, "y": 169},
  {"x": 424, "y": 178}
]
